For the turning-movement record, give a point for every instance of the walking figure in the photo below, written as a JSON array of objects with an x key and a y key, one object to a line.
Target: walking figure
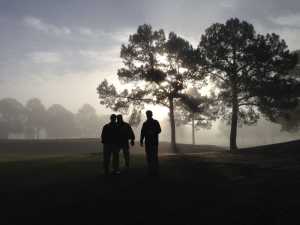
[
  {"x": 109, "y": 146},
  {"x": 150, "y": 131},
  {"x": 125, "y": 133}
]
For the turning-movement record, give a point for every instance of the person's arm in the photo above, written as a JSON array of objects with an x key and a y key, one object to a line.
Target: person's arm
[
  {"x": 103, "y": 134},
  {"x": 142, "y": 135}
]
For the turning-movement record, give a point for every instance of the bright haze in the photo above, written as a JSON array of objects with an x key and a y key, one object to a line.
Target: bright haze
[{"x": 60, "y": 50}]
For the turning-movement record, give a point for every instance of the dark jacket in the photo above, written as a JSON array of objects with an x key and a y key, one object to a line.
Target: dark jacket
[
  {"x": 150, "y": 131},
  {"x": 108, "y": 133},
  {"x": 124, "y": 134}
]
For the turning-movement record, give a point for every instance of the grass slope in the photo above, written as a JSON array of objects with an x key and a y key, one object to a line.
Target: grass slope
[{"x": 211, "y": 187}]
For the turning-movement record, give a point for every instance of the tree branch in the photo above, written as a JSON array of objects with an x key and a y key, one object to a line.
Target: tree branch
[
  {"x": 146, "y": 100},
  {"x": 220, "y": 77},
  {"x": 135, "y": 98},
  {"x": 245, "y": 98},
  {"x": 248, "y": 104}
]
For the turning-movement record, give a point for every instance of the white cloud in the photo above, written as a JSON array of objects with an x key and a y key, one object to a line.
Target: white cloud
[
  {"x": 77, "y": 33},
  {"x": 229, "y": 4},
  {"x": 61, "y": 62},
  {"x": 122, "y": 36},
  {"x": 111, "y": 55},
  {"x": 42, "y": 26},
  {"x": 45, "y": 57},
  {"x": 87, "y": 31},
  {"x": 288, "y": 33},
  {"x": 119, "y": 36},
  {"x": 287, "y": 20},
  {"x": 291, "y": 36},
  {"x": 92, "y": 33},
  {"x": 91, "y": 54}
]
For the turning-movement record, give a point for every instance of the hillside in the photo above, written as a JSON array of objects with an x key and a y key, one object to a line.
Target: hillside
[{"x": 209, "y": 187}]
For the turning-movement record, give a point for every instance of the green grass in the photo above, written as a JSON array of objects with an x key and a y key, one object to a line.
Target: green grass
[{"x": 211, "y": 187}]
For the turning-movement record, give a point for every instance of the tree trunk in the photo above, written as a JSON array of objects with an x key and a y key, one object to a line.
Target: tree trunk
[
  {"x": 193, "y": 129},
  {"x": 234, "y": 118},
  {"x": 172, "y": 124}
]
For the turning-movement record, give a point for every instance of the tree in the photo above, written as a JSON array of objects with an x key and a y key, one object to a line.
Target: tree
[
  {"x": 157, "y": 68},
  {"x": 12, "y": 117},
  {"x": 135, "y": 118},
  {"x": 88, "y": 121},
  {"x": 4, "y": 128},
  {"x": 196, "y": 109},
  {"x": 295, "y": 72},
  {"x": 250, "y": 70},
  {"x": 37, "y": 116},
  {"x": 61, "y": 122},
  {"x": 290, "y": 119}
]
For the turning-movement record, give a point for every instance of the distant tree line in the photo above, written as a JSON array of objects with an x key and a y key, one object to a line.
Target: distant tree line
[
  {"x": 34, "y": 120},
  {"x": 249, "y": 74}
]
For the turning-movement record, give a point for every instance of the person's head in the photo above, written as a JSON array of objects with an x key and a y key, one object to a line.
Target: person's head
[
  {"x": 119, "y": 118},
  {"x": 113, "y": 118},
  {"x": 149, "y": 114}
]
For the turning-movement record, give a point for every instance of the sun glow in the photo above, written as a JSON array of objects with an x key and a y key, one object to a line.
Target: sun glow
[{"x": 159, "y": 112}]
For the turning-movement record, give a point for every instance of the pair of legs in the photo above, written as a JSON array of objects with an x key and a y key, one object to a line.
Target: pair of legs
[
  {"x": 126, "y": 155},
  {"x": 152, "y": 158},
  {"x": 110, "y": 150}
]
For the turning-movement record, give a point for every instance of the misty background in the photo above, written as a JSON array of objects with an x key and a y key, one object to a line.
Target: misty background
[
  {"x": 59, "y": 51},
  {"x": 34, "y": 121}
]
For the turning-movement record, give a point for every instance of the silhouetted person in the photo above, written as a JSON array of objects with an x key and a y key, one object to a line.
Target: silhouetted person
[
  {"x": 125, "y": 133},
  {"x": 109, "y": 145},
  {"x": 150, "y": 131}
]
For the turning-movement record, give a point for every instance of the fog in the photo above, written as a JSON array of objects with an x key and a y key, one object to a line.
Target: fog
[
  {"x": 34, "y": 120},
  {"x": 263, "y": 133}
]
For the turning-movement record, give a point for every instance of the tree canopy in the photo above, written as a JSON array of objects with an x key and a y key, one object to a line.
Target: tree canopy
[
  {"x": 196, "y": 109},
  {"x": 61, "y": 122},
  {"x": 36, "y": 117},
  {"x": 12, "y": 117},
  {"x": 88, "y": 121}
]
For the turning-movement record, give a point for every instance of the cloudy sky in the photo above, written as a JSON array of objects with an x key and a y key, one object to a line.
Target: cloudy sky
[{"x": 60, "y": 50}]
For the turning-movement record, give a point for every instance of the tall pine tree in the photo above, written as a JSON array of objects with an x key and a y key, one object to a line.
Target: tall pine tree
[{"x": 251, "y": 71}]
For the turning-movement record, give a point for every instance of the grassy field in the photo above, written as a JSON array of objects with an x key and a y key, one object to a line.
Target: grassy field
[{"x": 62, "y": 182}]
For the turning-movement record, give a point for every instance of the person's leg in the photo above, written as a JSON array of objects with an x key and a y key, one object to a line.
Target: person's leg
[
  {"x": 149, "y": 155},
  {"x": 115, "y": 152},
  {"x": 126, "y": 156},
  {"x": 106, "y": 158},
  {"x": 155, "y": 159}
]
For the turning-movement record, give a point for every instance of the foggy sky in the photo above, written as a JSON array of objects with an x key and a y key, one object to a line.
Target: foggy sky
[{"x": 60, "y": 50}]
